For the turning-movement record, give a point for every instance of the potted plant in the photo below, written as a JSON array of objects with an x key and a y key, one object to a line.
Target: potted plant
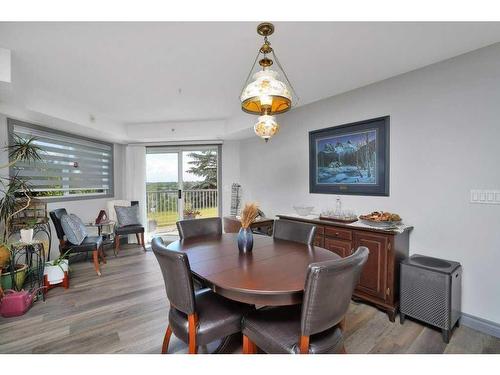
[
  {"x": 245, "y": 236},
  {"x": 190, "y": 213},
  {"x": 57, "y": 271},
  {"x": 27, "y": 232},
  {"x": 11, "y": 189},
  {"x": 13, "y": 279}
]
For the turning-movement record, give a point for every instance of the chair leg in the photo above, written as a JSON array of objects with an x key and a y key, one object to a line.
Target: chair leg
[
  {"x": 117, "y": 243},
  {"x": 142, "y": 241},
  {"x": 304, "y": 344},
  {"x": 138, "y": 240},
  {"x": 249, "y": 346},
  {"x": 192, "y": 322},
  {"x": 343, "y": 351},
  {"x": 103, "y": 255},
  {"x": 166, "y": 340},
  {"x": 95, "y": 255}
]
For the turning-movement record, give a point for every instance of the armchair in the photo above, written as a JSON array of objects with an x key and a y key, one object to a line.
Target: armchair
[{"x": 90, "y": 243}]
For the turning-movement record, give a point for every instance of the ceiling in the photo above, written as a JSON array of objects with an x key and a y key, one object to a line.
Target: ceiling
[{"x": 138, "y": 73}]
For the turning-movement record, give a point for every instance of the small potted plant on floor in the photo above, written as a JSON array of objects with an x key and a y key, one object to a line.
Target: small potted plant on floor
[{"x": 57, "y": 272}]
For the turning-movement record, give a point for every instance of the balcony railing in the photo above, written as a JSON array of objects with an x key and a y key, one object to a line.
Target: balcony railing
[{"x": 163, "y": 206}]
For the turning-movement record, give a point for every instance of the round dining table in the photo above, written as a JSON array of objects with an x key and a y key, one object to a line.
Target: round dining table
[{"x": 272, "y": 274}]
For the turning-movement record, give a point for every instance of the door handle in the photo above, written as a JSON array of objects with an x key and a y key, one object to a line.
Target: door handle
[{"x": 179, "y": 194}]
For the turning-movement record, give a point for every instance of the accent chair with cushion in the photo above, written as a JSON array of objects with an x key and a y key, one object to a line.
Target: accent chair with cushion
[
  {"x": 197, "y": 318},
  {"x": 125, "y": 214},
  {"x": 316, "y": 326},
  {"x": 199, "y": 227},
  {"x": 75, "y": 238},
  {"x": 294, "y": 231}
]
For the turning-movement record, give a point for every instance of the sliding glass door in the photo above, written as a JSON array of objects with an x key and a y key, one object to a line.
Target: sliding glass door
[{"x": 182, "y": 183}]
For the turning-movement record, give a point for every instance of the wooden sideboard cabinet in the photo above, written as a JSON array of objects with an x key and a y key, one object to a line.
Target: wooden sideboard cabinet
[{"x": 379, "y": 281}]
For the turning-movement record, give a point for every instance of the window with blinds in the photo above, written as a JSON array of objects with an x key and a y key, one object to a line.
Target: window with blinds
[{"x": 72, "y": 167}]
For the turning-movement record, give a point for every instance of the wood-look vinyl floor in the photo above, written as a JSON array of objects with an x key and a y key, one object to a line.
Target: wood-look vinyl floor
[{"x": 125, "y": 311}]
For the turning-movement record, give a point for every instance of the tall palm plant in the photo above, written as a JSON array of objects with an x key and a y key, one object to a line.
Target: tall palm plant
[{"x": 14, "y": 187}]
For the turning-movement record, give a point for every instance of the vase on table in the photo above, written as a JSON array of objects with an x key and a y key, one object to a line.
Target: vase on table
[{"x": 245, "y": 240}]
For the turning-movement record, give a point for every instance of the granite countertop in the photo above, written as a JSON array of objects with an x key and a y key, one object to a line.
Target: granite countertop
[{"x": 356, "y": 225}]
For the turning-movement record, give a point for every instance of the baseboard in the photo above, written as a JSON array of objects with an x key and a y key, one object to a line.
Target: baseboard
[{"x": 481, "y": 325}]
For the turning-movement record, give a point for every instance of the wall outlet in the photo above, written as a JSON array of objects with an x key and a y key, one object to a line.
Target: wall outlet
[{"x": 485, "y": 196}]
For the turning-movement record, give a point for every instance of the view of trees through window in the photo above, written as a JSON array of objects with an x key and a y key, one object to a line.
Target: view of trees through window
[{"x": 199, "y": 185}]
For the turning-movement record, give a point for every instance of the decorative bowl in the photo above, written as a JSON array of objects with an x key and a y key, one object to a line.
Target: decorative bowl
[
  {"x": 382, "y": 224},
  {"x": 303, "y": 210}
]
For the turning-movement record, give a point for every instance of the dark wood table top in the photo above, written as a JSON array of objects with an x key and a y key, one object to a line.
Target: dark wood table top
[{"x": 273, "y": 274}]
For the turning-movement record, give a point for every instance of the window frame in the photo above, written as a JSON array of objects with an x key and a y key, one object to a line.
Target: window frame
[{"x": 11, "y": 123}]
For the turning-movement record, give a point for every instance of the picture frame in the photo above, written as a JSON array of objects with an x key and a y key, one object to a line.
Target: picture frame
[{"x": 350, "y": 159}]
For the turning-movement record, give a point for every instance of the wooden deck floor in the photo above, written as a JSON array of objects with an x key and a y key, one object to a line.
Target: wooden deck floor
[{"x": 125, "y": 311}]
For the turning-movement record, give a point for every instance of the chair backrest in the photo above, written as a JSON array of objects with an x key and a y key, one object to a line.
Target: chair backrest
[
  {"x": 55, "y": 216},
  {"x": 176, "y": 275},
  {"x": 328, "y": 291},
  {"x": 199, "y": 227},
  {"x": 294, "y": 231},
  {"x": 111, "y": 208}
]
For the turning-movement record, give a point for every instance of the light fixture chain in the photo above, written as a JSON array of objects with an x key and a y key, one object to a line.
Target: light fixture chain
[
  {"x": 284, "y": 74},
  {"x": 250, "y": 73}
]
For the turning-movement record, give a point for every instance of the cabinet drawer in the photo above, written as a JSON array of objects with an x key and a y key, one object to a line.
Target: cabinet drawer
[
  {"x": 342, "y": 248},
  {"x": 334, "y": 232},
  {"x": 320, "y": 231}
]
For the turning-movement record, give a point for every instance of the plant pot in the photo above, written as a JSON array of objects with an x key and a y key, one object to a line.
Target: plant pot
[
  {"x": 27, "y": 235},
  {"x": 4, "y": 256},
  {"x": 55, "y": 273},
  {"x": 19, "y": 277},
  {"x": 245, "y": 240}
]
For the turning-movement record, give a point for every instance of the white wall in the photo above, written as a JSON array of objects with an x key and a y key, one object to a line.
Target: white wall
[
  {"x": 87, "y": 209},
  {"x": 445, "y": 140}
]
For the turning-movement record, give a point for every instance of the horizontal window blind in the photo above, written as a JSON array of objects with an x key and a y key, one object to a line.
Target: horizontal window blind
[{"x": 70, "y": 166}]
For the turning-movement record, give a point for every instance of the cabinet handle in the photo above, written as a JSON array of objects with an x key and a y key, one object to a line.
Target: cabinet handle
[{"x": 337, "y": 234}]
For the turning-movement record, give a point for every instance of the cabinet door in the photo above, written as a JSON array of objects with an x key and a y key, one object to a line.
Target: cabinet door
[
  {"x": 342, "y": 248},
  {"x": 373, "y": 280},
  {"x": 318, "y": 241}
]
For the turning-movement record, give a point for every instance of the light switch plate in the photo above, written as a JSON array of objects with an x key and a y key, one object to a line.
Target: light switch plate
[{"x": 485, "y": 196}]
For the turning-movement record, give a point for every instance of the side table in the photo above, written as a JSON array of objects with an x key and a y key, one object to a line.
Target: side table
[
  {"x": 33, "y": 255},
  {"x": 106, "y": 231}
]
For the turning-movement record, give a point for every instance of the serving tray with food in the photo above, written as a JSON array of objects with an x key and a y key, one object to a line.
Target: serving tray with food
[{"x": 381, "y": 219}]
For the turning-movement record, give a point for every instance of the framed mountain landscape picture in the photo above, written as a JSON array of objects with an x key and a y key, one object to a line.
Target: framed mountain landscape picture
[{"x": 350, "y": 159}]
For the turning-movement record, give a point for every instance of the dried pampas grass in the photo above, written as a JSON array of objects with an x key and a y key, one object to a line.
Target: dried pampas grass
[{"x": 249, "y": 214}]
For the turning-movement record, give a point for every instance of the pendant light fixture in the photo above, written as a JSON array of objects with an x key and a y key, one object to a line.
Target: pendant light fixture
[{"x": 266, "y": 95}]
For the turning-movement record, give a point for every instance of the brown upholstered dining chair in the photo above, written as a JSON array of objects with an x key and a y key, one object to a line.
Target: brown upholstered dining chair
[
  {"x": 197, "y": 318},
  {"x": 199, "y": 227},
  {"x": 294, "y": 231},
  {"x": 314, "y": 327}
]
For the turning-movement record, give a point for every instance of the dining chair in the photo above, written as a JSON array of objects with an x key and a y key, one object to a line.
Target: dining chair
[
  {"x": 136, "y": 229},
  {"x": 199, "y": 227},
  {"x": 294, "y": 231},
  {"x": 197, "y": 318},
  {"x": 315, "y": 327},
  {"x": 90, "y": 243}
]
